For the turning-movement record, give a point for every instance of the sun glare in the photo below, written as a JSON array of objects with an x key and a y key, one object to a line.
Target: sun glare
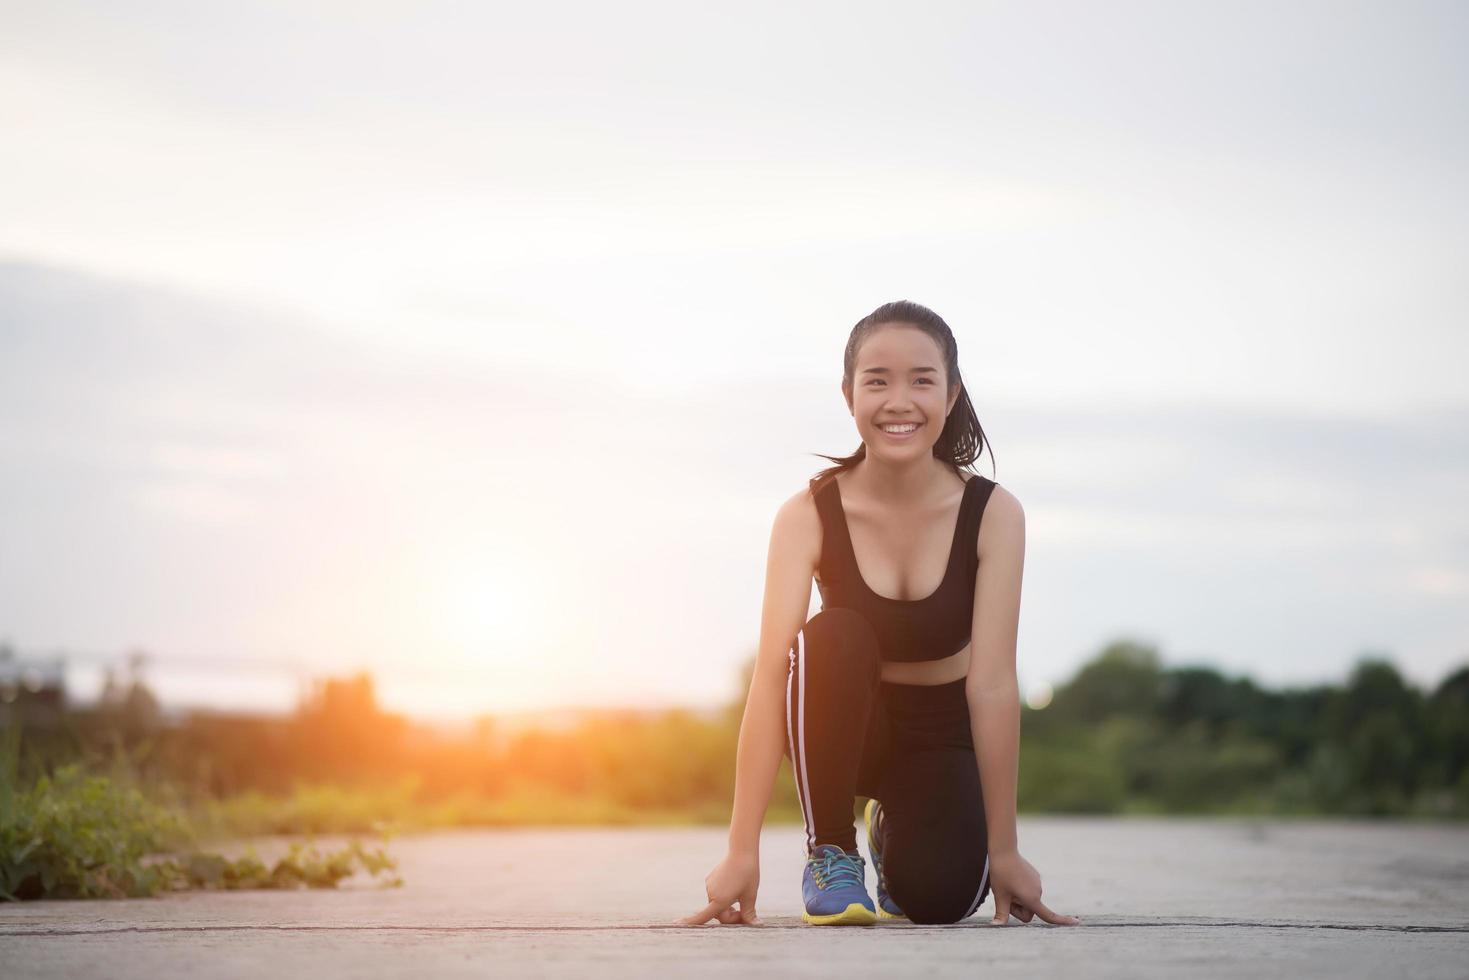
[
  {"x": 482, "y": 612},
  {"x": 1039, "y": 696}
]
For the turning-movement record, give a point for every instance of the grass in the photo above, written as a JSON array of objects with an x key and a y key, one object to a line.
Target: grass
[
  {"x": 96, "y": 829},
  {"x": 77, "y": 834},
  {"x": 398, "y": 807}
]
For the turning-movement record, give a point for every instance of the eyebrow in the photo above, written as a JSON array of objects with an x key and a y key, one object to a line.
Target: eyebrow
[{"x": 883, "y": 370}]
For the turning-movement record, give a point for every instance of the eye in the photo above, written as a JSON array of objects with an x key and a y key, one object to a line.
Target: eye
[{"x": 928, "y": 380}]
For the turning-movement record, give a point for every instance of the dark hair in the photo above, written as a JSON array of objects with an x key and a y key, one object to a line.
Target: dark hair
[{"x": 963, "y": 440}]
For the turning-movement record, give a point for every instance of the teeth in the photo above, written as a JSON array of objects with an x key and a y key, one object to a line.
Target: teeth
[{"x": 900, "y": 428}]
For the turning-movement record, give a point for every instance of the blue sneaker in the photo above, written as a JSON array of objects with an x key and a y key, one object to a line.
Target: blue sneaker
[
  {"x": 833, "y": 889},
  {"x": 886, "y": 907}
]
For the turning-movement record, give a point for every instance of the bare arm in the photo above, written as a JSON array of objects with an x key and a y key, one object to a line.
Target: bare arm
[
  {"x": 788, "y": 569},
  {"x": 991, "y": 686},
  {"x": 994, "y": 708},
  {"x": 795, "y": 544}
]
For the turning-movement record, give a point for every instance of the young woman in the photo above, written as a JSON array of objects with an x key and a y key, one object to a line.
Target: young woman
[{"x": 902, "y": 689}]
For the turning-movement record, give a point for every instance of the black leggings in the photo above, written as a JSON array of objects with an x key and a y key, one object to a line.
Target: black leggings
[{"x": 909, "y": 746}]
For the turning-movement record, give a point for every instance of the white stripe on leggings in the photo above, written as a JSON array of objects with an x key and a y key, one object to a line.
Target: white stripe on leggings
[
  {"x": 794, "y": 722},
  {"x": 980, "y": 894}
]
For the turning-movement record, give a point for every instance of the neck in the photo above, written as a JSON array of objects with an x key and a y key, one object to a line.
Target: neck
[{"x": 888, "y": 482}]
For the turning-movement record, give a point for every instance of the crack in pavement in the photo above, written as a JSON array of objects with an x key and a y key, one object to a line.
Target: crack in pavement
[{"x": 794, "y": 924}]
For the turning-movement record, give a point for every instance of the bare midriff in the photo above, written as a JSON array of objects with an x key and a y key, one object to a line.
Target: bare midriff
[{"x": 927, "y": 673}]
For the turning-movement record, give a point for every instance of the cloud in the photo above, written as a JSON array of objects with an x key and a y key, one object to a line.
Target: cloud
[
  {"x": 1440, "y": 581},
  {"x": 220, "y": 478},
  {"x": 218, "y": 463}
]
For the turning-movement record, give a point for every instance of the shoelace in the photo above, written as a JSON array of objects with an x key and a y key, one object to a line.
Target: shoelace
[{"x": 834, "y": 869}]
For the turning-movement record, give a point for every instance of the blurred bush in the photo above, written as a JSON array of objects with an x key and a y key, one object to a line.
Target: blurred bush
[
  {"x": 1125, "y": 735},
  {"x": 75, "y": 834}
]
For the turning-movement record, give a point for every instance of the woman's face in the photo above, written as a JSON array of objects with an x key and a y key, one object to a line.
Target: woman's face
[{"x": 899, "y": 381}]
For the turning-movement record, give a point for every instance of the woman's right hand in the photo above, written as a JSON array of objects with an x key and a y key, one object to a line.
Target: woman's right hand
[{"x": 735, "y": 879}]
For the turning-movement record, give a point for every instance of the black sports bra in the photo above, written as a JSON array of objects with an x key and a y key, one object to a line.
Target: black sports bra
[{"x": 908, "y": 630}]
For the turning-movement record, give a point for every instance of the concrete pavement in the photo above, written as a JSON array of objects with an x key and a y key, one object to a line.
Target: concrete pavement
[{"x": 1158, "y": 897}]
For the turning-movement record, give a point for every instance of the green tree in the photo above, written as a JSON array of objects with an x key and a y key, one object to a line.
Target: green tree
[
  {"x": 1377, "y": 722},
  {"x": 1124, "y": 679}
]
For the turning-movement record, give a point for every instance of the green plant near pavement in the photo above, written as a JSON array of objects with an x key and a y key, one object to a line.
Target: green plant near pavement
[
  {"x": 71, "y": 834},
  {"x": 303, "y": 866}
]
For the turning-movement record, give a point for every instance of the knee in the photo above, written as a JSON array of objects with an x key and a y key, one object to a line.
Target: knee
[
  {"x": 935, "y": 885},
  {"x": 839, "y": 634},
  {"x": 935, "y": 899}
]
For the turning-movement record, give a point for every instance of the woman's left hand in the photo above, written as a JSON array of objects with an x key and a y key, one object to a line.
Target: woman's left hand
[{"x": 1016, "y": 885}]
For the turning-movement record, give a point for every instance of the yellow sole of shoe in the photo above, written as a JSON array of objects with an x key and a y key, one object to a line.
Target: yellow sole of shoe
[
  {"x": 867, "y": 816},
  {"x": 867, "y": 819},
  {"x": 855, "y": 914}
]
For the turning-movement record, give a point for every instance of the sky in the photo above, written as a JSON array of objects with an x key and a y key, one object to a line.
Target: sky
[{"x": 478, "y": 347}]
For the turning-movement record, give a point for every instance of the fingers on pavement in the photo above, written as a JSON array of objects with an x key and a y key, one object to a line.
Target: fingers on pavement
[
  {"x": 710, "y": 911},
  {"x": 1055, "y": 918}
]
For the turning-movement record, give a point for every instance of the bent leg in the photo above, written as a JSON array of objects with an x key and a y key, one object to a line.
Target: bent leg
[
  {"x": 831, "y": 694},
  {"x": 935, "y": 851}
]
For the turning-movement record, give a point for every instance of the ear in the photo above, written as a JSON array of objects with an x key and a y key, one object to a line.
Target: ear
[
  {"x": 847, "y": 394},
  {"x": 953, "y": 399}
]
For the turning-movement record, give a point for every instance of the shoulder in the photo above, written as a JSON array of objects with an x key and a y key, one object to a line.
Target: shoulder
[
  {"x": 1002, "y": 527},
  {"x": 798, "y": 508},
  {"x": 797, "y": 526}
]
